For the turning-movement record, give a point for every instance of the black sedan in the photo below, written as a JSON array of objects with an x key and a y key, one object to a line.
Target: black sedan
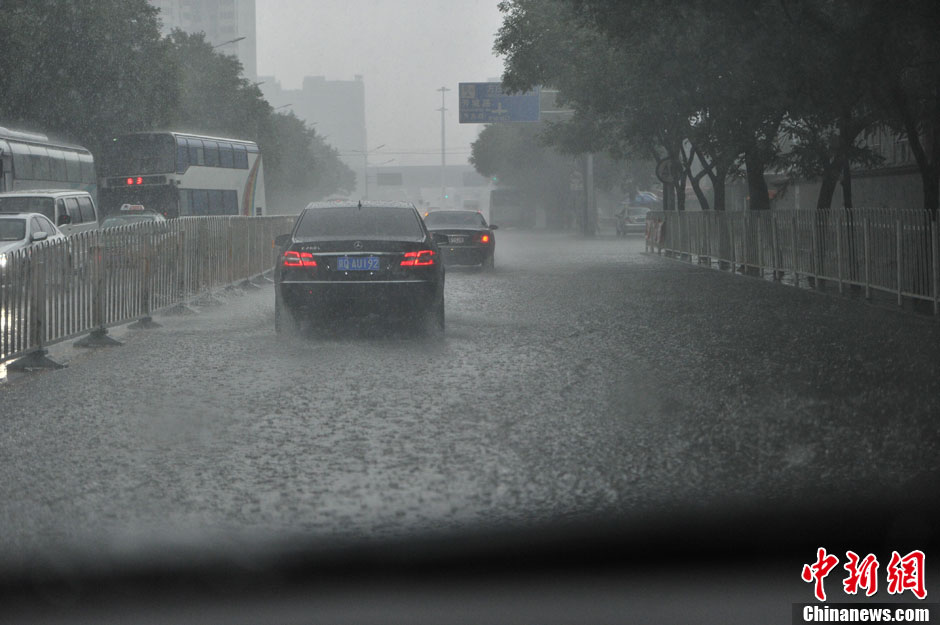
[
  {"x": 464, "y": 237},
  {"x": 356, "y": 259}
]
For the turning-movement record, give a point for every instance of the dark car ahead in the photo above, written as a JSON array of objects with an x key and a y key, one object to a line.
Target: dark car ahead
[
  {"x": 463, "y": 236},
  {"x": 348, "y": 259}
]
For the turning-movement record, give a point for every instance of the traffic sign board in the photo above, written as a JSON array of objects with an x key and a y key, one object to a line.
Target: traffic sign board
[{"x": 485, "y": 103}]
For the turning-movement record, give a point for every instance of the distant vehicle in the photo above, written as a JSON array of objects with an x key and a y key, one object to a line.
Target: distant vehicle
[
  {"x": 72, "y": 211},
  {"x": 131, "y": 214},
  {"x": 356, "y": 259},
  {"x": 20, "y": 231},
  {"x": 178, "y": 174},
  {"x": 631, "y": 220},
  {"x": 648, "y": 199},
  {"x": 31, "y": 161},
  {"x": 463, "y": 236},
  {"x": 508, "y": 207}
]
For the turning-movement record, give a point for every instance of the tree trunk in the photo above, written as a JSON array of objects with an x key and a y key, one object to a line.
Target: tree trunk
[
  {"x": 756, "y": 185},
  {"x": 826, "y": 189},
  {"x": 720, "y": 189},
  {"x": 846, "y": 184}
]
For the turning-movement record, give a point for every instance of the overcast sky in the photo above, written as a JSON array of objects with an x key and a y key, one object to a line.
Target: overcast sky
[{"x": 405, "y": 51}]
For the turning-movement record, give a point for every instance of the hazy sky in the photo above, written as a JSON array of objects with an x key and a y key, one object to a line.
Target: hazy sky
[{"x": 405, "y": 50}]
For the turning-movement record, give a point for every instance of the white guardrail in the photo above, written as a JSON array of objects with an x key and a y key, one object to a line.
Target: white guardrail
[
  {"x": 93, "y": 280},
  {"x": 879, "y": 249}
]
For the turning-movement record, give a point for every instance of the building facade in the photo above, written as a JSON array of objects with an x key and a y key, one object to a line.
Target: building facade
[
  {"x": 229, "y": 25},
  {"x": 337, "y": 109}
]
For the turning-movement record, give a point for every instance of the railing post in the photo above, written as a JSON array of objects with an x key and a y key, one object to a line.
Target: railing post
[
  {"x": 935, "y": 247},
  {"x": 898, "y": 257},
  {"x": 146, "y": 321},
  {"x": 815, "y": 251},
  {"x": 773, "y": 246},
  {"x": 839, "y": 247},
  {"x": 867, "y": 231},
  {"x": 99, "y": 336},
  {"x": 37, "y": 276},
  {"x": 793, "y": 251}
]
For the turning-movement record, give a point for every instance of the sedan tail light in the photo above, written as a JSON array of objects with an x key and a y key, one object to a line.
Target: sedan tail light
[
  {"x": 294, "y": 259},
  {"x": 483, "y": 238},
  {"x": 420, "y": 258}
]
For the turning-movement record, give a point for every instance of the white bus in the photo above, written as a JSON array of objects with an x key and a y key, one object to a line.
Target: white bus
[
  {"x": 179, "y": 174},
  {"x": 31, "y": 161}
]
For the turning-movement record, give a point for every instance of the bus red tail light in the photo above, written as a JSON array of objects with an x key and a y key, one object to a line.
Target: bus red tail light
[
  {"x": 292, "y": 259},
  {"x": 420, "y": 258}
]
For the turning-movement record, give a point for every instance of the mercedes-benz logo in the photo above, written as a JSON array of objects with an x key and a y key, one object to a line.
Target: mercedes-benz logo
[{"x": 358, "y": 245}]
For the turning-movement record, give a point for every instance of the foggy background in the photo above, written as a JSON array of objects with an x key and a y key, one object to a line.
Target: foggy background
[{"x": 405, "y": 51}]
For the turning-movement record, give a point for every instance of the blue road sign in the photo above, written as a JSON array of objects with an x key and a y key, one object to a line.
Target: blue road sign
[{"x": 485, "y": 103}]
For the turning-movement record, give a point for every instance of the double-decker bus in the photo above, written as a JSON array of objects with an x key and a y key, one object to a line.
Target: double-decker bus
[
  {"x": 179, "y": 174},
  {"x": 31, "y": 161}
]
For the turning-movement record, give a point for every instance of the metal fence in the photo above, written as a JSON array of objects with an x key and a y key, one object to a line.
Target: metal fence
[
  {"x": 93, "y": 280},
  {"x": 889, "y": 250}
]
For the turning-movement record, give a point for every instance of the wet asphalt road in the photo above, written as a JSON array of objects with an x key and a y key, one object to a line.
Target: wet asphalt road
[{"x": 580, "y": 377}]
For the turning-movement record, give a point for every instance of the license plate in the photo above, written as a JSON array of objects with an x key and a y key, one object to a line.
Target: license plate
[
  {"x": 357, "y": 263},
  {"x": 457, "y": 240}
]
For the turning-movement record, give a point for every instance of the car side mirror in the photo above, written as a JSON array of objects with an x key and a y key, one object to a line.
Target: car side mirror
[
  {"x": 64, "y": 219},
  {"x": 281, "y": 240},
  {"x": 39, "y": 236},
  {"x": 494, "y": 227}
]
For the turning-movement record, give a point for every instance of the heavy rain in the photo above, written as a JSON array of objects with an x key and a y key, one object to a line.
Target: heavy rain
[{"x": 288, "y": 282}]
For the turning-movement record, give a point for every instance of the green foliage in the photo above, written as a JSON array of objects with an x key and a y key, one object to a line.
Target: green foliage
[
  {"x": 718, "y": 86},
  {"x": 86, "y": 71}
]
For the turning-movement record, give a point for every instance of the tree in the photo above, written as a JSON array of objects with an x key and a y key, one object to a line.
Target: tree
[
  {"x": 517, "y": 155},
  {"x": 84, "y": 71}
]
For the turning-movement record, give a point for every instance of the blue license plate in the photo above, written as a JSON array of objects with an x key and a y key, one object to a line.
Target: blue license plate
[{"x": 357, "y": 263}]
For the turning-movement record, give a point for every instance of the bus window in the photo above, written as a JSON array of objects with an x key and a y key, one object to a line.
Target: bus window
[
  {"x": 57, "y": 163},
  {"x": 22, "y": 166},
  {"x": 226, "y": 155},
  {"x": 197, "y": 155},
  {"x": 229, "y": 202},
  {"x": 215, "y": 202},
  {"x": 73, "y": 167},
  {"x": 212, "y": 153},
  {"x": 88, "y": 168},
  {"x": 182, "y": 155},
  {"x": 200, "y": 203},
  {"x": 39, "y": 157},
  {"x": 241, "y": 157}
]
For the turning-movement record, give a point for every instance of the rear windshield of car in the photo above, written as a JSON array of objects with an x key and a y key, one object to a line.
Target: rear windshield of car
[
  {"x": 376, "y": 223},
  {"x": 28, "y": 204},
  {"x": 12, "y": 229},
  {"x": 455, "y": 218}
]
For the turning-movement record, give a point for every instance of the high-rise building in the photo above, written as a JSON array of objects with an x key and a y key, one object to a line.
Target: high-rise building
[
  {"x": 336, "y": 108},
  {"x": 228, "y": 24}
]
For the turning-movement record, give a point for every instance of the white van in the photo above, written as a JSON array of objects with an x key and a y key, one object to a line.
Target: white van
[{"x": 72, "y": 211}]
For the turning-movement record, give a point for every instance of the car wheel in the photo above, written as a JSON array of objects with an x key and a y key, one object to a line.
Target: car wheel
[
  {"x": 490, "y": 263},
  {"x": 283, "y": 319},
  {"x": 434, "y": 319}
]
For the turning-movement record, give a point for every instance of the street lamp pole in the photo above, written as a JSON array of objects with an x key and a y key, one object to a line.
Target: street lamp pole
[
  {"x": 365, "y": 169},
  {"x": 443, "y": 109},
  {"x": 225, "y": 43}
]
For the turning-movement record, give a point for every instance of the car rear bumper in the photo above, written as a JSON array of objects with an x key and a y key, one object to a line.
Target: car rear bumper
[
  {"x": 359, "y": 298},
  {"x": 465, "y": 255}
]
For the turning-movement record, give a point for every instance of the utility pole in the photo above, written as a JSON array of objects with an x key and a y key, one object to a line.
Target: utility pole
[{"x": 443, "y": 109}]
